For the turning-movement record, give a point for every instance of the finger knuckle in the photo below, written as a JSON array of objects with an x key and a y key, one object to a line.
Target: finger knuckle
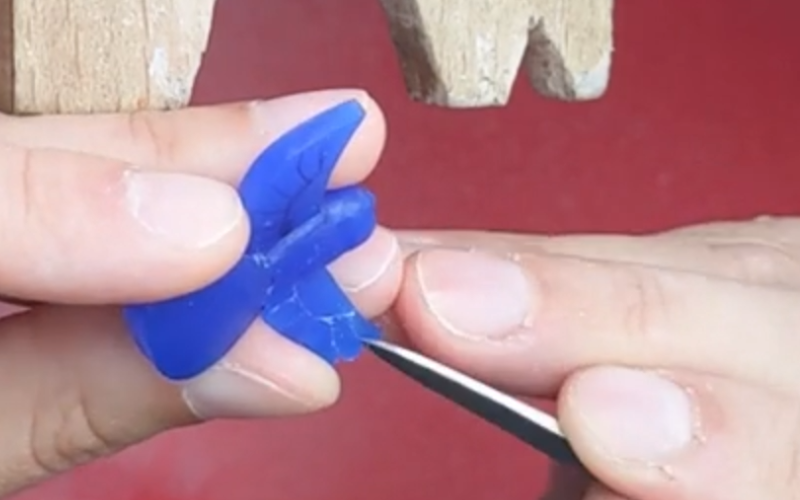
[
  {"x": 156, "y": 143},
  {"x": 63, "y": 434},
  {"x": 646, "y": 305},
  {"x": 22, "y": 191},
  {"x": 36, "y": 195}
]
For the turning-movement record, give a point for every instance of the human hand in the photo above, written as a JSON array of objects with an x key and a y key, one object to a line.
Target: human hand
[
  {"x": 673, "y": 356},
  {"x": 97, "y": 211}
]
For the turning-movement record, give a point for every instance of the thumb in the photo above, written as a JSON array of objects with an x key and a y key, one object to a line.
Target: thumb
[
  {"x": 76, "y": 388},
  {"x": 680, "y": 435},
  {"x": 75, "y": 228}
]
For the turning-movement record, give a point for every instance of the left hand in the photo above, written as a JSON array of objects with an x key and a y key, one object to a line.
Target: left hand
[
  {"x": 674, "y": 357},
  {"x": 98, "y": 211}
]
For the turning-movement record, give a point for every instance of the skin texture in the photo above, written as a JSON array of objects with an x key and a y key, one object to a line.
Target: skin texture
[
  {"x": 667, "y": 353},
  {"x": 75, "y": 387},
  {"x": 672, "y": 356},
  {"x": 297, "y": 230}
]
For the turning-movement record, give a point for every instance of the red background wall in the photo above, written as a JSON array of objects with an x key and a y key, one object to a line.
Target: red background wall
[{"x": 699, "y": 123}]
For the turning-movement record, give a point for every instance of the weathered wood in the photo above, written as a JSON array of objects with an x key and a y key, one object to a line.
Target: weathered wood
[
  {"x": 467, "y": 53},
  {"x": 88, "y": 56}
]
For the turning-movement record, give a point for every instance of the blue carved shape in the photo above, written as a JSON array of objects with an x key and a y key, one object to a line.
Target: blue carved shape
[{"x": 298, "y": 228}]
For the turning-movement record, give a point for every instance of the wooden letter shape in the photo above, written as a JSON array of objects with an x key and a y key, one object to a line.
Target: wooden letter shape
[
  {"x": 467, "y": 53},
  {"x": 88, "y": 56}
]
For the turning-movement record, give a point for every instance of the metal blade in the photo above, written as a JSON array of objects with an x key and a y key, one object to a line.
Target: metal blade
[{"x": 532, "y": 426}]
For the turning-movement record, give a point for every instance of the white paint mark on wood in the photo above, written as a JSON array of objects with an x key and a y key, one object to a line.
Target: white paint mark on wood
[
  {"x": 84, "y": 56},
  {"x": 467, "y": 53}
]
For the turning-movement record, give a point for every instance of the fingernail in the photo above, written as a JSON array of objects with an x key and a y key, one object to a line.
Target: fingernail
[
  {"x": 633, "y": 415},
  {"x": 360, "y": 268},
  {"x": 475, "y": 294},
  {"x": 184, "y": 210},
  {"x": 228, "y": 392},
  {"x": 263, "y": 375}
]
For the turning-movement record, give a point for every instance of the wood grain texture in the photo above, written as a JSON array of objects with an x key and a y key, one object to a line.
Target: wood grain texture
[
  {"x": 467, "y": 53},
  {"x": 89, "y": 56}
]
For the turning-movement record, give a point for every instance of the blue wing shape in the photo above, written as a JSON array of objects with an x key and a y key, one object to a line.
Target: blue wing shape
[{"x": 296, "y": 231}]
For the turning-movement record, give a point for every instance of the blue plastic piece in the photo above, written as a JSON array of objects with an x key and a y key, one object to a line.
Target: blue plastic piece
[{"x": 297, "y": 229}]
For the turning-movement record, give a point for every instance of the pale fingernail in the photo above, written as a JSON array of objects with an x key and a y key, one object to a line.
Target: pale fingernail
[
  {"x": 633, "y": 415},
  {"x": 475, "y": 294},
  {"x": 228, "y": 392},
  {"x": 364, "y": 266},
  {"x": 185, "y": 210},
  {"x": 263, "y": 375}
]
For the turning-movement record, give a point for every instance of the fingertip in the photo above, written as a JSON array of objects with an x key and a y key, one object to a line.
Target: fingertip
[
  {"x": 361, "y": 155},
  {"x": 422, "y": 328},
  {"x": 217, "y": 141},
  {"x": 629, "y": 427},
  {"x": 370, "y": 274},
  {"x": 411, "y": 311},
  {"x": 627, "y": 414},
  {"x": 102, "y": 231},
  {"x": 192, "y": 231},
  {"x": 275, "y": 117},
  {"x": 264, "y": 375},
  {"x": 450, "y": 299}
]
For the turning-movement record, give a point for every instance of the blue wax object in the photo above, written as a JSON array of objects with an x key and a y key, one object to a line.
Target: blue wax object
[{"x": 297, "y": 229}]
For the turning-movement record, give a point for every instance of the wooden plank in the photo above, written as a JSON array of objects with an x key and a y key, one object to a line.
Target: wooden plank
[
  {"x": 467, "y": 53},
  {"x": 90, "y": 56}
]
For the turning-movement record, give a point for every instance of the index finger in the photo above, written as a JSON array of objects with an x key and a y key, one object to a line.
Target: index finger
[
  {"x": 526, "y": 324},
  {"x": 218, "y": 141}
]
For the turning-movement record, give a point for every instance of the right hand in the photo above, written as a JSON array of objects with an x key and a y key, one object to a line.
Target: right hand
[{"x": 673, "y": 356}]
